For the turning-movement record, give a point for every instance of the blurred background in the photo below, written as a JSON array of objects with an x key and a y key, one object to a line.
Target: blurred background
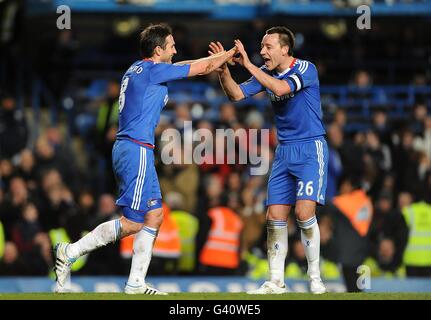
[{"x": 58, "y": 118}]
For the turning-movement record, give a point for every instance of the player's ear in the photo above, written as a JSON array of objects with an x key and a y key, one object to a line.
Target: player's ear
[
  {"x": 285, "y": 50},
  {"x": 158, "y": 50}
]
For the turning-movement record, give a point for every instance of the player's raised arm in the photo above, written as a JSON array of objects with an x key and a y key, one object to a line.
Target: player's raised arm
[
  {"x": 211, "y": 63},
  {"x": 228, "y": 84},
  {"x": 182, "y": 63},
  {"x": 278, "y": 87}
]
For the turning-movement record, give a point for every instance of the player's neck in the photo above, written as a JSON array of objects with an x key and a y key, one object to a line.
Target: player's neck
[
  {"x": 285, "y": 65},
  {"x": 153, "y": 59}
]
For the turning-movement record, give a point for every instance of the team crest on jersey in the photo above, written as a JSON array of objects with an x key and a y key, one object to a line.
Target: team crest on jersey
[{"x": 151, "y": 203}]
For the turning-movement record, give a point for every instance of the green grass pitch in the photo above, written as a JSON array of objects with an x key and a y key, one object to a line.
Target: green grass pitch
[{"x": 216, "y": 296}]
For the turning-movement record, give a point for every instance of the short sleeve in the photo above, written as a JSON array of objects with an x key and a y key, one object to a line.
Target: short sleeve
[
  {"x": 305, "y": 76},
  {"x": 164, "y": 72},
  {"x": 252, "y": 86}
]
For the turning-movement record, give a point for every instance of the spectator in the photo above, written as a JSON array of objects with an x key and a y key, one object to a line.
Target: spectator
[
  {"x": 381, "y": 126},
  {"x": 188, "y": 228},
  {"x": 335, "y": 166},
  {"x": 210, "y": 162},
  {"x": 11, "y": 208},
  {"x": 417, "y": 256},
  {"x": 106, "y": 260},
  {"x": 406, "y": 164},
  {"x": 167, "y": 247},
  {"x": 388, "y": 234},
  {"x": 253, "y": 212},
  {"x": 210, "y": 196},
  {"x": 182, "y": 114},
  {"x": 62, "y": 156},
  {"x": 105, "y": 131},
  {"x": 12, "y": 264},
  {"x": 422, "y": 143},
  {"x": 228, "y": 117},
  {"x": 405, "y": 199},
  {"x": 27, "y": 169},
  {"x": 419, "y": 115},
  {"x": 60, "y": 59},
  {"x": 232, "y": 193},
  {"x": 351, "y": 215},
  {"x": 220, "y": 254},
  {"x": 50, "y": 154},
  {"x": 182, "y": 178},
  {"x": 79, "y": 220},
  {"x": 13, "y": 128},
  {"x": 55, "y": 200},
  {"x": 352, "y": 155},
  {"x": 340, "y": 118},
  {"x": 33, "y": 245},
  {"x": 378, "y": 161},
  {"x": 362, "y": 80},
  {"x": 6, "y": 171},
  {"x": 360, "y": 87}
]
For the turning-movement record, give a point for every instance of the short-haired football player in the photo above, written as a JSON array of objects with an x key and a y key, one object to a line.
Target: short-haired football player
[
  {"x": 143, "y": 95},
  {"x": 299, "y": 170}
]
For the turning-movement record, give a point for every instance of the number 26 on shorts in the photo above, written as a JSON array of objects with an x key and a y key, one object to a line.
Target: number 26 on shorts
[{"x": 308, "y": 188}]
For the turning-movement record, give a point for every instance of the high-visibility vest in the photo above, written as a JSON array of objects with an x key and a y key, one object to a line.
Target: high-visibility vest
[
  {"x": 222, "y": 246},
  {"x": 188, "y": 226},
  {"x": 102, "y": 115},
  {"x": 358, "y": 208},
  {"x": 294, "y": 271},
  {"x": 418, "y": 250},
  {"x": 257, "y": 267},
  {"x": 167, "y": 243},
  {"x": 329, "y": 270},
  {"x": 126, "y": 246},
  {"x": 376, "y": 271},
  {"x": 2, "y": 240},
  {"x": 60, "y": 235}
]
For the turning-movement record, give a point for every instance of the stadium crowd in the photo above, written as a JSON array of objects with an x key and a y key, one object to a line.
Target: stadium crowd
[
  {"x": 70, "y": 187},
  {"x": 57, "y": 183}
]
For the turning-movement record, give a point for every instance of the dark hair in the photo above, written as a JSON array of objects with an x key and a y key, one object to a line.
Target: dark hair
[
  {"x": 153, "y": 36},
  {"x": 354, "y": 179},
  {"x": 286, "y": 37}
]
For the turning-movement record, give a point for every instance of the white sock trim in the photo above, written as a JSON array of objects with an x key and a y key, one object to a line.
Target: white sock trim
[{"x": 307, "y": 224}]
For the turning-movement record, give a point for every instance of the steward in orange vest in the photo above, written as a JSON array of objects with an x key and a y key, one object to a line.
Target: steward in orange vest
[
  {"x": 351, "y": 213},
  {"x": 167, "y": 244},
  {"x": 222, "y": 247}
]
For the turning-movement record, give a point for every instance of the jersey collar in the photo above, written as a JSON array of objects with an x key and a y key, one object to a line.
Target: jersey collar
[{"x": 288, "y": 68}]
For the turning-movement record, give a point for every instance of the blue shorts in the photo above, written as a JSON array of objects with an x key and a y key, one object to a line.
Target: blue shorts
[
  {"x": 299, "y": 172},
  {"x": 139, "y": 188}
]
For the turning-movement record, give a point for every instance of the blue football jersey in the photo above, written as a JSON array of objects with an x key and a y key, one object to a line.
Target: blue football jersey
[
  {"x": 143, "y": 95},
  {"x": 298, "y": 115}
]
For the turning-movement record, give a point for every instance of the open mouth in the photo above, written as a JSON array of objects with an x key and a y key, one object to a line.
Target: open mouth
[{"x": 266, "y": 60}]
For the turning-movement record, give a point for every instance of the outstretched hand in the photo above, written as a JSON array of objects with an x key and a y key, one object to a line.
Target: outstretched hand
[
  {"x": 243, "y": 56},
  {"x": 217, "y": 47}
]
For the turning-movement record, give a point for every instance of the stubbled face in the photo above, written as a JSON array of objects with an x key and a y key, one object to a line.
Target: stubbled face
[
  {"x": 169, "y": 51},
  {"x": 272, "y": 52}
]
